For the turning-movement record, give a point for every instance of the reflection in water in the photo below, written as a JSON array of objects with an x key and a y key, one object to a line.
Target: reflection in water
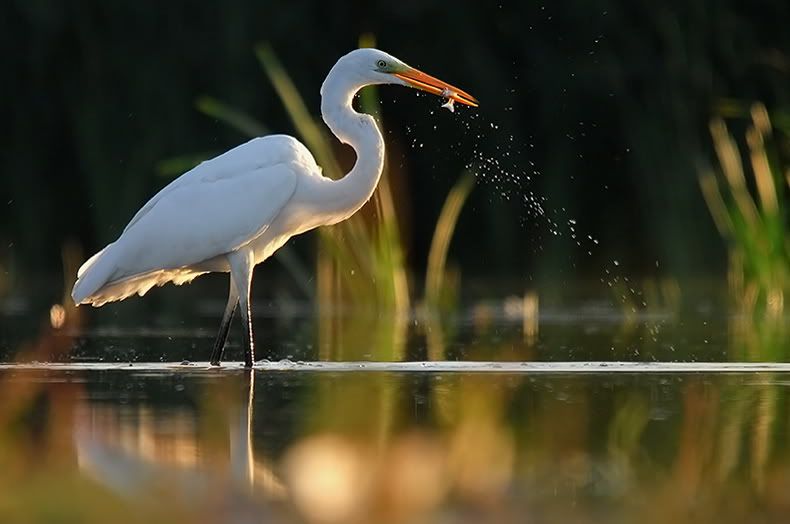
[
  {"x": 394, "y": 447},
  {"x": 138, "y": 447}
]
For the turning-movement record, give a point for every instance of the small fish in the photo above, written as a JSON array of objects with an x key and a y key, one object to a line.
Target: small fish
[{"x": 449, "y": 103}]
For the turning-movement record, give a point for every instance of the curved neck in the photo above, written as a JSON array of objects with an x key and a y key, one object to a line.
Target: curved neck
[{"x": 360, "y": 131}]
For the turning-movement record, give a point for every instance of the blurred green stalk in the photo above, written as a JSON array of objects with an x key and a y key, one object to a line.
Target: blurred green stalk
[
  {"x": 435, "y": 290},
  {"x": 752, "y": 215}
]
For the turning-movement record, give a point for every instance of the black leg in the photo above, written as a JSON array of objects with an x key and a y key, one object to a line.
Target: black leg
[
  {"x": 249, "y": 339},
  {"x": 222, "y": 336}
]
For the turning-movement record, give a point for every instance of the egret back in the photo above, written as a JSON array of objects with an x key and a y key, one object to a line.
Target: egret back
[
  {"x": 257, "y": 153},
  {"x": 214, "y": 209}
]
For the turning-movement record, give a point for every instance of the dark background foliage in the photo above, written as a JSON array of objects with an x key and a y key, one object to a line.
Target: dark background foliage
[{"x": 610, "y": 100}]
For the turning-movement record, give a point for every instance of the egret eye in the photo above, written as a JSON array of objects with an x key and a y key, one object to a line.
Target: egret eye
[{"x": 381, "y": 64}]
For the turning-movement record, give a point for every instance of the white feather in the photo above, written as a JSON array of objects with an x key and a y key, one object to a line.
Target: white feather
[{"x": 212, "y": 210}]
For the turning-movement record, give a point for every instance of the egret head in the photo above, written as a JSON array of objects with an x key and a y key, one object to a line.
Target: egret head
[{"x": 372, "y": 66}]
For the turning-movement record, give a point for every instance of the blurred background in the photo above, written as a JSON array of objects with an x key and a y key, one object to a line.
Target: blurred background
[
  {"x": 621, "y": 193},
  {"x": 599, "y": 110}
]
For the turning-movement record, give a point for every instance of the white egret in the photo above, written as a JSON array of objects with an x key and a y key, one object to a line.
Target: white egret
[{"x": 233, "y": 211}]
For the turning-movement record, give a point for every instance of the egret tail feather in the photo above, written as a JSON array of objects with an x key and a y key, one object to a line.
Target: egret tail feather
[{"x": 93, "y": 275}]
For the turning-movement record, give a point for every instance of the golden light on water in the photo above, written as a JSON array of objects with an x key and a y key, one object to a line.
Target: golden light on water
[
  {"x": 416, "y": 469},
  {"x": 482, "y": 456},
  {"x": 326, "y": 475},
  {"x": 57, "y": 316}
]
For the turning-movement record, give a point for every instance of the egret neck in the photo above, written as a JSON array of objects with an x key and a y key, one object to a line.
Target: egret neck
[{"x": 359, "y": 131}]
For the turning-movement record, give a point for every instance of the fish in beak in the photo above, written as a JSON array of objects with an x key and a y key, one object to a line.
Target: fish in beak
[{"x": 425, "y": 82}]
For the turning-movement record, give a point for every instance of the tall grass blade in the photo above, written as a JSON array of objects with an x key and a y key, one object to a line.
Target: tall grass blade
[
  {"x": 177, "y": 165},
  {"x": 235, "y": 118},
  {"x": 442, "y": 235},
  {"x": 307, "y": 127}
]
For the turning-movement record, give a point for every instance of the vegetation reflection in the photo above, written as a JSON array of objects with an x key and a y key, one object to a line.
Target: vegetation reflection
[{"x": 385, "y": 447}]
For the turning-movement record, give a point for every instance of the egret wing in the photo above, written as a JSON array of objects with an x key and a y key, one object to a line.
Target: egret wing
[
  {"x": 256, "y": 154},
  {"x": 204, "y": 218}
]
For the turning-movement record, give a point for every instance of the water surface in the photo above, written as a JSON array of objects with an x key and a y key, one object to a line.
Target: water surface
[
  {"x": 498, "y": 413},
  {"x": 386, "y": 446}
]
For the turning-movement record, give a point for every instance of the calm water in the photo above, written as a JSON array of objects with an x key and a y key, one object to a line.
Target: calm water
[
  {"x": 122, "y": 430},
  {"x": 395, "y": 447}
]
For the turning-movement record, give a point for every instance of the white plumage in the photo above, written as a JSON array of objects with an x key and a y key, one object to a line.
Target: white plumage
[
  {"x": 233, "y": 211},
  {"x": 217, "y": 207}
]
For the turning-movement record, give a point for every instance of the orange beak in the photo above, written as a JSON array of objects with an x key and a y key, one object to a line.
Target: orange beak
[{"x": 420, "y": 80}]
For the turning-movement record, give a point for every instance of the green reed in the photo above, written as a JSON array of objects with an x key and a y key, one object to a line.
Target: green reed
[{"x": 748, "y": 198}]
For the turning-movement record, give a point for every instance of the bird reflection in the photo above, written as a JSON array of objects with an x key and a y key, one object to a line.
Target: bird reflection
[
  {"x": 132, "y": 449},
  {"x": 242, "y": 455}
]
